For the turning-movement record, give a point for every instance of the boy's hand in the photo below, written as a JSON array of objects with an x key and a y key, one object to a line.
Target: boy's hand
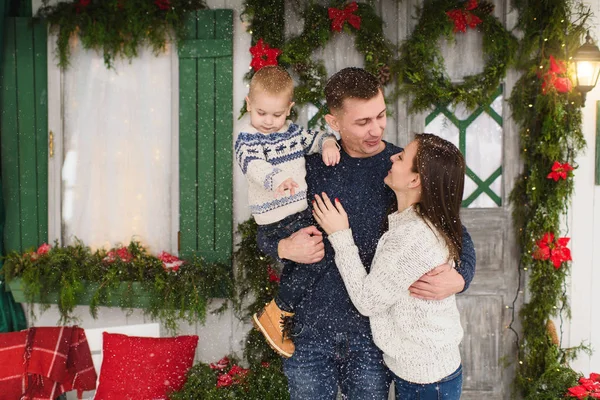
[
  {"x": 330, "y": 153},
  {"x": 288, "y": 184}
]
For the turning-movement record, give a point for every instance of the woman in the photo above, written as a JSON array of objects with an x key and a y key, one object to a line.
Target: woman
[{"x": 419, "y": 338}]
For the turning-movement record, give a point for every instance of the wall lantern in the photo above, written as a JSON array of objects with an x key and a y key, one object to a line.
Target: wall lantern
[{"x": 587, "y": 67}]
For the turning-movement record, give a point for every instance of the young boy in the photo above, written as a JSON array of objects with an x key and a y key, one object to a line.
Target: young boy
[{"x": 270, "y": 151}]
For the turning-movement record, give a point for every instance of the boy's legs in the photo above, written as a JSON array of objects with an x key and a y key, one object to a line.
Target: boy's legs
[
  {"x": 274, "y": 320},
  {"x": 296, "y": 279}
]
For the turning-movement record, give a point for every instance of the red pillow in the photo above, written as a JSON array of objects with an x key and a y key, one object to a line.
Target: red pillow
[{"x": 142, "y": 368}]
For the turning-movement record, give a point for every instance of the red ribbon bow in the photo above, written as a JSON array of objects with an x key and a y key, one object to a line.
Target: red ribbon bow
[
  {"x": 464, "y": 17},
  {"x": 560, "y": 171},
  {"x": 263, "y": 55},
  {"x": 556, "y": 251},
  {"x": 338, "y": 17},
  {"x": 551, "y": 78}
]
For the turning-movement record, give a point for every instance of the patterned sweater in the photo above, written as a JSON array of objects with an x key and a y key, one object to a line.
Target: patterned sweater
[
  {"x": 419, "y": 338},
  {"x": 269, "y": 159}
]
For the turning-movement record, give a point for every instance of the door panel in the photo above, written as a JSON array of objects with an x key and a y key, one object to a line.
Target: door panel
[{"x": 486, "y": 136}]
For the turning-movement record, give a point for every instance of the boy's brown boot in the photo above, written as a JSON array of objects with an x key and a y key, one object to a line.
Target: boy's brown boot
[{"x": 270, "y": 322}]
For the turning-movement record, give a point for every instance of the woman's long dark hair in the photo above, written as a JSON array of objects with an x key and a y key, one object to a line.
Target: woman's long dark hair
[{"x": 441, "y": 167}]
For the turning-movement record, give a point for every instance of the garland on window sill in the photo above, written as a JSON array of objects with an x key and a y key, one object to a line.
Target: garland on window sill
[
  {"x": 118, "y": 28},
  {"x": 548, "y": 112},
  {"x": 175, "y": 289}
]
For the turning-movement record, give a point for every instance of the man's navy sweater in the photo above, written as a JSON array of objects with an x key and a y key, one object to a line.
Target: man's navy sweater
[{"x": 358, "y": 184}]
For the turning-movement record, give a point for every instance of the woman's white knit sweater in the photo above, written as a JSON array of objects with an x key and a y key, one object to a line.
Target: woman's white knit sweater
[{"x": 419, "y": 338}]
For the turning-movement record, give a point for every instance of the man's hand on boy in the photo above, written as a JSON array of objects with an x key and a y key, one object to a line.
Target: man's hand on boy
[
  {"x": 437, "y": 284},
  {"x": 330, "y": 153},
  {"x": 304, "y": 246},
  {"x": 288, "y": 184}
]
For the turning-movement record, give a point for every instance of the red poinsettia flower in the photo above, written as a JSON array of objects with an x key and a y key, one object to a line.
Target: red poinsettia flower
[
  {"x": 121, "y": 253},
  {"x": 464, "y": 17},
  {"x": 263, "y": 55},
  {"x": 237, "y": 371},
  {"x": 560, "y": 252},
  {"x": 273, "y": 276},
  {"x": 339, "y": 16},
  {"x": 543, "y": 247},
  {"x": 124, "y": 254},
  {"x": 170, "y": 262},
  {"x": 471, "y": 5},
  {"x": 43, "y": 249},
  {"x": 551, "y": 78},
  {"x": 560, "y": 171},
  {"x": 163, "y": 4},
  {"x": 224, "y": 380},
  {"x": 81, "y": 5},
  {"x": 578, "y": 391},
  {"x": 588, "y": 387},
  {"x": 264, "y": 364},
  {"x": 221, "y": 364},
  {"x": 556, "y": 251}
]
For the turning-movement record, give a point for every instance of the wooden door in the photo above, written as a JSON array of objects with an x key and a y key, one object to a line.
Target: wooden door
[{"x": 488, "y": 139}]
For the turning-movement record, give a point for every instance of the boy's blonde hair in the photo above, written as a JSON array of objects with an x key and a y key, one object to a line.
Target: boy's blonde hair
[{"x": 272, "y": 79}]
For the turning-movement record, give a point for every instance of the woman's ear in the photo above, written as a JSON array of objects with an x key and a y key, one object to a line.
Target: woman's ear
[
  {"x": 332, "y": 122},
  {"x": 415, "y": 182},
  {"x": 248, "y": 106}
]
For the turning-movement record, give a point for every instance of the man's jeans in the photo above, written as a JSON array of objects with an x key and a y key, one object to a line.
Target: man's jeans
[
  {"x": 321, "y": 364},
  {"x": 448, "y": 388},
  {"x": 296, "y": 279}
]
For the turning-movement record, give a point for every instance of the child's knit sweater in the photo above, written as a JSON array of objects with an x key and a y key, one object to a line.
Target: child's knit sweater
[
  {"x": 419, "y": 338},
  {"x": 269, "y": 159}
]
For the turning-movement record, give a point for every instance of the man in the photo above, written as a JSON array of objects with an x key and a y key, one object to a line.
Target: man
[{"x": 334, "y": 346}]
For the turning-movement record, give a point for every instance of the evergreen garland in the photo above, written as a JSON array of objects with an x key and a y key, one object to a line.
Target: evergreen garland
[
  {"x": 256, "y": 283},
  {"x": 550, "y": 130},
  {"x": 117, "y": 27},
  {"x": 421, "y": 64},
  {"x": 370, "y": 41},
  {"x": 71, "y": 271},
  {"x": 209, "y": 382}
]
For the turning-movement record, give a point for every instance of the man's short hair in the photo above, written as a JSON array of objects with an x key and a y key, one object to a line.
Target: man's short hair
[
  {"x": 272, "y": 79},
  {"x": 351, "y": 82}
]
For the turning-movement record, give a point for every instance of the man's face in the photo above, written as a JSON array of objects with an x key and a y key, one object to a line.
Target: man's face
[{"x": 361, "y": 124}]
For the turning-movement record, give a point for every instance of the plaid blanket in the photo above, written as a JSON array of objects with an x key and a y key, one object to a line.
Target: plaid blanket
[{"x": 42, "y": 363}]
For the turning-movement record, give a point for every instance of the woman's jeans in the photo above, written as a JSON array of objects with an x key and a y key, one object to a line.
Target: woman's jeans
[{"x": 448, "y": 388}]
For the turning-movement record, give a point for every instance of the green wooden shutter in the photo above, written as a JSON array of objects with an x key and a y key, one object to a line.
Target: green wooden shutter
[
  {"x": 205, "y": 136},
  {"x": 24, "y": 138}
]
